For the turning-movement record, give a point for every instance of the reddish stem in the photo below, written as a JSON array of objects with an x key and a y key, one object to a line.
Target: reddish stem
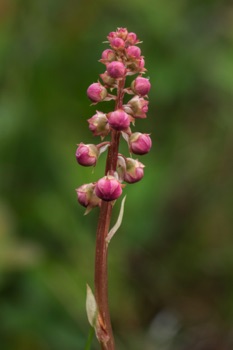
[{"x": 101, "y": 267}]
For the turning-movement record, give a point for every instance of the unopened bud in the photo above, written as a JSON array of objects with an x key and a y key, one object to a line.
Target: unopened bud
[
  {"x": 134, "y": 170},
  {"x": 133, "y": 52},
  {"x": 132, "y": 38},
  {"x": 119, "y": 120},
  {"x": 137, "y": 107},
  {"x": 96, "y": 92},
  {"x": 116, "y": 69},
  {"x": 98, "y": 124},
  {"x": 87, "y": 155},
  {"x": 140, "y": 143},
  {"x": 108, "y": 188},
  {"x": 117, "y": 44},
  {"x": 141, "y": 86},
  {"x": 109, "y": 81},
  {"x": 122, "y": 33},
  {"x": 87, "y": 197},
  {"x": 108, "y": 55}
]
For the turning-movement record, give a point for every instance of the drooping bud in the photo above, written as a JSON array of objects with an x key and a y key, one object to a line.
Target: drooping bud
[
  {"x": 140, "y": 143},
  {"x": 141, "y": 86},
  {"x": 87, "y": 197},
  {"x": 134, "y": 171},
  {"x": 98, "y": 124},
  {"x": 96, "y": 92},
  {"x": 133, "y": 52},
  {"x": 116, "y": 69},
  {"x": 87, "y": 155},
  {"x": 108, "y": 188},
  {"x": 132, "y": 38},
  {"x": 119, "y": 120},
  {"x": 109, "y": 81},
  {"x": 122, "y": 33},
  {"x": 137, "y": 107},
  {"x": 136, "y": 66},
  {"x": 108, "y": 56},
  {"x": 117, "y": 44}
]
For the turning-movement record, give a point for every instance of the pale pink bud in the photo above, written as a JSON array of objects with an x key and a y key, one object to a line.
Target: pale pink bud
[
  {"x": 109, "y": 81},
  {"x": 132, "y": 38},
  {"x": 141, "y": 86},
  {"x": 117, "y": 44},
  {"x": 96, "y": 92},
  {"x": 116, "y": 69},
  {"x": 108, "y": 55},
  {"x": 122, "y": 33},
  {"x": 133, "y": 51},
  {"x": 137, "y": 107},
  {"x": 136, "y": 65},
  {"x": 108, "y": 188},
  {"x": 140, "y": 143},
  {"x": 87, "y": 197},
  {"x": 111, "y": 36},
  {"x": 119, "y": 120},
  {"x": 134, "y": 170},
  {"x": 87, "y": 155},
  {"x": 141, "y": 64},
  {"x": 98, "y": 124}
]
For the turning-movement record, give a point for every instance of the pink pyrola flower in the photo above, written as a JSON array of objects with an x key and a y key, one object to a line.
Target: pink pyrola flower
[
  {"x": 111, "y": 36},
  {"x": 133, "y": 51},
  {"x": 116, "y": 69},
  {"x": 87, "y": 155},
  {"x": 117, "y": 44},
  {"x": 96, "y": 92},
  {"x": 141, "y": 86},
  {"x": 87, "y": 197},
  {"x": 108, "y": 188},
  {"x": 137, "y": 107},
  {"x": 122, "y": 33},
  {"x": 140, "y": 143},
  {"x": 119, "y": 120},
  {"x": 108, "y": 56},
  {"x": 132, "y": 38},
  {"x": 134, "y": 170},
  {"x": 98, "y": 124},
  {"x": 107, "y": 80}
]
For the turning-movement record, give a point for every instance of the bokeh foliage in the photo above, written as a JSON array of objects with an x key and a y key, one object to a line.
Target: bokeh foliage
[{"x": 171, "y": 264}]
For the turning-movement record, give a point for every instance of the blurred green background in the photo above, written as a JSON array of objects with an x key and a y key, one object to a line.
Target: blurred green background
[{"x": 171, "y": 263}]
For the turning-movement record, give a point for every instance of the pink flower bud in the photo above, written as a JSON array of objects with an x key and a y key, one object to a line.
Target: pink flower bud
[
  {"x": 134, "y": 171},
  {"x": 87, "y": 196},
  {"x": 108, "y": 55},
  {"x": 98, "y": 124},
  {"x": 111, "y": 36},
  {"x": 109, "y": 81},
  {"x": 96, "y": 92},
  {"x": 119, "y": 120},
  {"x": 141, "y": 86},
  {"x": 108, "y": 188},
  {"x": 122, "y": 33},
  {"x": 116, "y": 69},
  {"x": 87, "y": 155},
  {"x": 137, "y": 107},
  {"x": 141, "y": 65},
  {"x": 133, "y": 51},
  {"x": 117, "y": 44},
  {"x": 140, "y": 143},
  {"x": 132, "y": 38}
]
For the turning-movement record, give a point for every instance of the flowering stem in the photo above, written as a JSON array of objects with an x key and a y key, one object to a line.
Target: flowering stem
[{"x": 101, "y": 268}]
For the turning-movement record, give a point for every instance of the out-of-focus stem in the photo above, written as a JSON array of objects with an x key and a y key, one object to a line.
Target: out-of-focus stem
[{"x": 101, "y": 257}]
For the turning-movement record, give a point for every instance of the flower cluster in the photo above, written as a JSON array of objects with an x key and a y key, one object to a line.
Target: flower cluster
[{"x": 122, "y": 59}]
